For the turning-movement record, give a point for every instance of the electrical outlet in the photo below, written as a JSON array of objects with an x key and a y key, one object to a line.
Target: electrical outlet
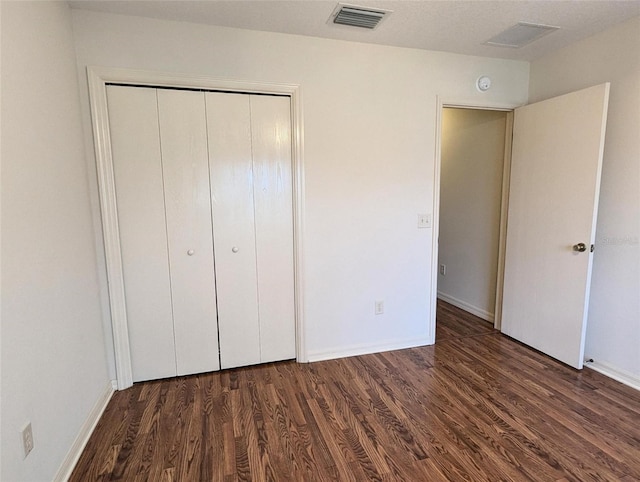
[
  {"x": 379, "y": 307},
  {"x": 27, "y": 439},
  {"x": 443, "y": 269}
]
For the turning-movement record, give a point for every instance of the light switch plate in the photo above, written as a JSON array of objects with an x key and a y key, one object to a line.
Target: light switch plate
[{"x": 424, "y": 220}]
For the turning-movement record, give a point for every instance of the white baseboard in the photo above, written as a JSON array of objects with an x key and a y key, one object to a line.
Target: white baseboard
[
  {"x": 621, "y": 376},
  {"x": 463, "y": 305},
  {"x": 355, "y": 350},
  {"x": 70, "y": 461}
]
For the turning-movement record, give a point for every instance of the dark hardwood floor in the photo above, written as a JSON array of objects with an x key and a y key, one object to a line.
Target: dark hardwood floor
[
  {"x": 476, "y": 406},
  {"x": 453, "y": 322}
]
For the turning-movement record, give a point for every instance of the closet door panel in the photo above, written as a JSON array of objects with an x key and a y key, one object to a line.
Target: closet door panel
[
  {"x": 229, "y": 134},
  {"x": 135, "y": 146},
  {"x": 272, "y": 187},
  {"x": 183, "y": 139}
]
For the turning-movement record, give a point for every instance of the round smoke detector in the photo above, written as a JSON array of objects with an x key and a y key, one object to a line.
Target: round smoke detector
[{"x": 483, "y": 83}]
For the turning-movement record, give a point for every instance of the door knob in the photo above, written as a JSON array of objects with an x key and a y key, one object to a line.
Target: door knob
[
  {"x": 580, "y": 247},
  {"x": 190, "y": 252},
  {"x": 235, "y": 249}
]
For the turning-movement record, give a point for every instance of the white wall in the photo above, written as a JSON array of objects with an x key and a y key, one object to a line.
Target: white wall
[
  {"x": 53, "y": 358},
  {"x": 470, "y": 192},
  {"x": 613, "y": 330},
  {"x": 369, "y": 121}
]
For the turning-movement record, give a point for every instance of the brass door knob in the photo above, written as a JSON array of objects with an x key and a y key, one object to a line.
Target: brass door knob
[{"x": 580, "y": 247}]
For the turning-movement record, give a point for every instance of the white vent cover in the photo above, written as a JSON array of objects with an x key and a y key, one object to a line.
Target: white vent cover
[
  {"x": 520, "y": 35},
  {"x": 354, "y": 16}
]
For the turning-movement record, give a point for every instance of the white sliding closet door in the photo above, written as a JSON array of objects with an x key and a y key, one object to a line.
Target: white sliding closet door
[
  {"x": 271, "y": 141},
  {"x": 204, "y": 199},
  {"x": 135, "y": 146},
  {"x": 251, "y": 194},
  {"x": 183, "y": 139},
  {"x": 229, "y": 129}
]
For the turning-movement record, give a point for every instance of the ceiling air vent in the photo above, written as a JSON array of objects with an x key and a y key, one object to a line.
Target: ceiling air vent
[
  {"x": 354, "y": 16},
  {"x": 520, "y": 35}
]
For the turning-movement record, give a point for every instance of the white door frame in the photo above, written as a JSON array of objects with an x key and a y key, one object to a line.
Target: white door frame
[
  {"x": 504, "y": 204},
  {"x": 98, "y": 78}
]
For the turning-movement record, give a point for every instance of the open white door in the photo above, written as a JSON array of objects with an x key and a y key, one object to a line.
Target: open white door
[{"x": 553, "y": 202}]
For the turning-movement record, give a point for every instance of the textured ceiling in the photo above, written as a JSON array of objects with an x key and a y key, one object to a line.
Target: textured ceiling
[{"x": 450, "y": 26}]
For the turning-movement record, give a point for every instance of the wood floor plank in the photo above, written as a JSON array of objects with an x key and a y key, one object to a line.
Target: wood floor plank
[
  {"x": 476, "y": 406},
  {"x": 575, "y": 416},
  {"x": 335, "y": 444}
]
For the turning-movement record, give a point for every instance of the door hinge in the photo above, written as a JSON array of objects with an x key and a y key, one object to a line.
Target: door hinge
[{"x": 592, "y": 248}]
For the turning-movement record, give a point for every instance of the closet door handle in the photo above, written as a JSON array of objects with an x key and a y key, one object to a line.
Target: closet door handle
[
  {"x": 190, "y": 252},
  {"x": 234, "y": 249}
]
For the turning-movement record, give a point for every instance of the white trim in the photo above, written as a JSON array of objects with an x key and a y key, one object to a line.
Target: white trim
[
  {"x": 108, "y": 209},
  {"x": 297, "y": 126},
  {"x": 463, "y": 305},
  {"x": 87, "y": 428},
  {"x": 355, "y": 350},
  {"x": 435, "y": 231},
  {"x": 478, "y": 106},
  {"x": 617, "y": 374},
  {"x": 441, "y": 104},
  {"x": 98, "y": 78},
  {"x": 504, "y": 208}
]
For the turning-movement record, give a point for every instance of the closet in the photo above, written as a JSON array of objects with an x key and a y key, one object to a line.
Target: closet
[{"x": 204, "y": 206}]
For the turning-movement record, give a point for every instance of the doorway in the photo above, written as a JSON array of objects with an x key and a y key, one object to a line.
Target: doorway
[
  {"x": 473, "y": 179},
  {"x": 552, "y": 180}
]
